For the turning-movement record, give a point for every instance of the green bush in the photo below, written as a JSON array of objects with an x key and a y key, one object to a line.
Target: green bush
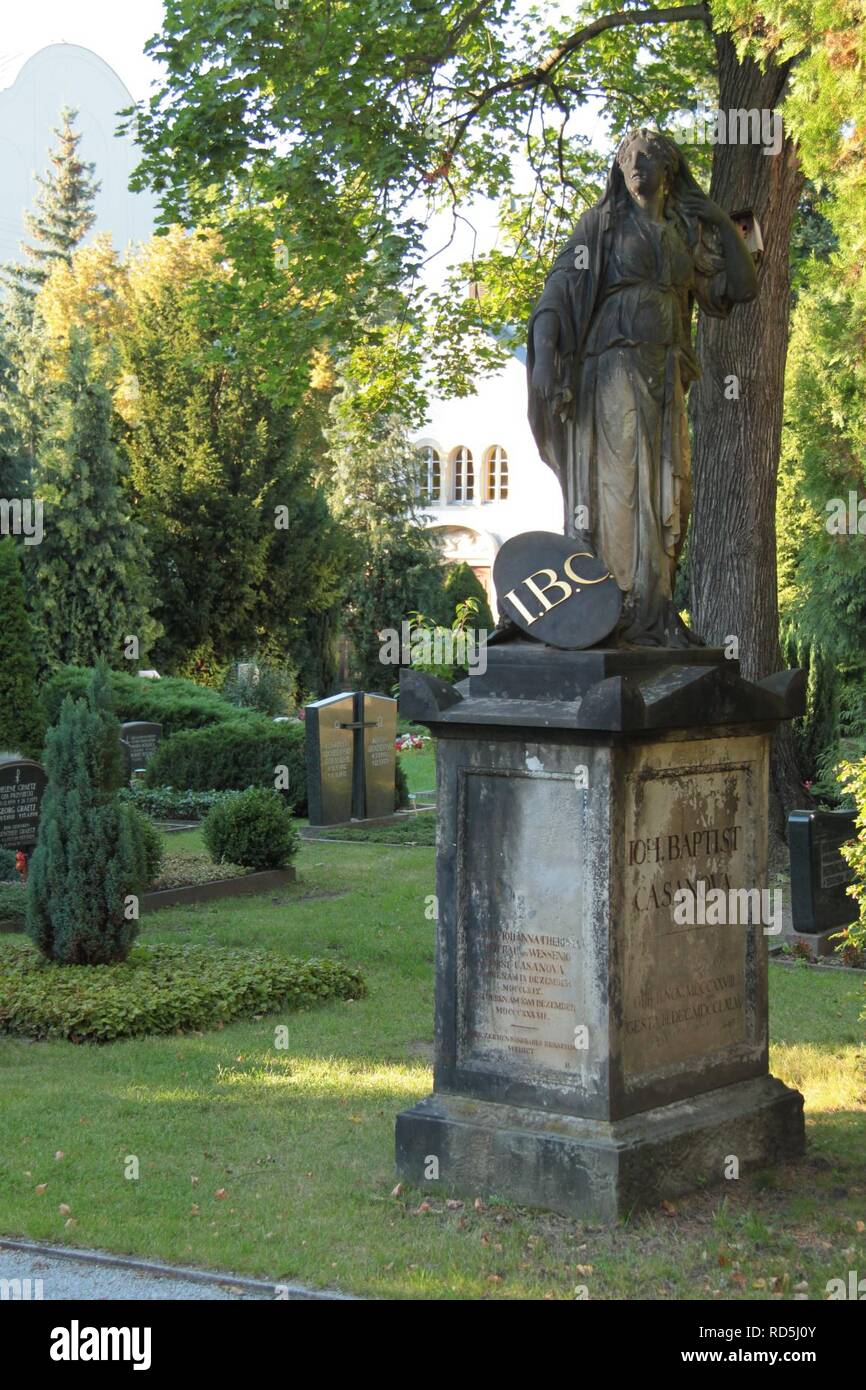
[
  {"x": 401, "y": 787},
  {"x": 149, "y": 846},
  {"x": 159, "y": 989},
  {"x": 13, "y": 904},
  {"x": 257, "y": 684},
  {"x": 169, "y": 803},
  {"x": 8, "y": 871},
  {"x": 461, "y": 583},
  {"x": 254, "y": 829},
  {"x": 93, "y": 850},
  {"x": 173, "y": 702},
  {"x": 22, "y": 717},
  {"x": 237, "y": 755},
  {"x": 853, "y": 779}
]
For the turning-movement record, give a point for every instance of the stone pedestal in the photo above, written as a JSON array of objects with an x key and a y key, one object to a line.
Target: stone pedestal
[{"x": 592, "y": 1051}]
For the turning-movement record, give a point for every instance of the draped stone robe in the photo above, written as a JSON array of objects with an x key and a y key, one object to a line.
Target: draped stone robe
[{"x": 622, "y": 290}]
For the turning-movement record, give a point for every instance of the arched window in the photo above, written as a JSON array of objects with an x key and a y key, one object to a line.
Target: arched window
[
  {"x": 495, "y": 474},
  {"x": 430, "y": 474},
  {"x": 463, "y": 473}
]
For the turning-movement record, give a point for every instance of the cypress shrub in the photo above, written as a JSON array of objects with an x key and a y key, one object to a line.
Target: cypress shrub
[
  {"x": 22, "y": 718},
  {"x": 93, "y": 851},
  {"x": 461, "y": 583}
]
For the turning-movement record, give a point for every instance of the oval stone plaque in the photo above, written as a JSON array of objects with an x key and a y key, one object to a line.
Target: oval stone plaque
[{"x": 556, "y": 590}]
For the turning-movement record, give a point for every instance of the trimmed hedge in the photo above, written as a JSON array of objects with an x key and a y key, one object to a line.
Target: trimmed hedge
[
  {"x": 236, "y": 755},
  {"x": 159, "y": 989},
  {"x": 13, "y": 904},
  {"x": 173, "y": 702},
  {"x": 8, "y": 871},
  {"x": 254, "y": 829},
  {"x": 170, "y": 803}
]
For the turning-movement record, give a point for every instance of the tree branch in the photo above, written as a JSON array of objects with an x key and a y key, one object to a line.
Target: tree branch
[{"x": 540, "y": 75}]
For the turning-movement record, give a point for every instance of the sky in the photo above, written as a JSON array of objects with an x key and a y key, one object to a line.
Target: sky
[{"x": 115, "y": 29}]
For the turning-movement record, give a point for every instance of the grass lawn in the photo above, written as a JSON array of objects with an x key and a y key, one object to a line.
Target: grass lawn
[
  {"x": 298, "y": 1143},
  {"x": 419, "y": 765}
]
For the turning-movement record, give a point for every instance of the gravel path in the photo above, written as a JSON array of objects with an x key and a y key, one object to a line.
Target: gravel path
[{"x": 64, "y": 1277}]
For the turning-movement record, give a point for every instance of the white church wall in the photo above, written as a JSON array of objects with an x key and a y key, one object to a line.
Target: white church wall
[
  {"x": 496, "y": 415},
  {"x": 67, "y": 75}
]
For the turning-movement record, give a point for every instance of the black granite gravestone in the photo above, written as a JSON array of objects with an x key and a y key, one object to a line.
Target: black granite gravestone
[
  {"x": 556, "y": 590},
  {"x": 22, "y": 784},
  {"x": 350, "y": 757},
  {"x": 378, "y": 717},
  {"x": 143, "y": 739},
  {"x": 819, "y": 874},
  {"x": 330, "y": 758}
]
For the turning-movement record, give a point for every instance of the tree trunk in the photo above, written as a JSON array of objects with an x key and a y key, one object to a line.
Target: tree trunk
[{"x": 736, "y": 441}]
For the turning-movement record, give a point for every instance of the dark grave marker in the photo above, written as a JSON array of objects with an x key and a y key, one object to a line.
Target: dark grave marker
[
  {"x": 22, "y": 784},
  {"x": 556, "y": 590},
  {"x": 379, "y": 716},
  {"x": 330, "y": 759},
  {"x": 350, "y": 757},
  {"x": 143, "y": 739},
  {"x": 819, "y": 874}
]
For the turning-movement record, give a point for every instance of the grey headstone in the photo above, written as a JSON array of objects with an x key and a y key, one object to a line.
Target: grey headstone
[{"x": 143, "y": 740}]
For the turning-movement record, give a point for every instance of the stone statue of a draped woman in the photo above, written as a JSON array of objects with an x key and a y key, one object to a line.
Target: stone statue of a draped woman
[{"x": 610, "y": 360}]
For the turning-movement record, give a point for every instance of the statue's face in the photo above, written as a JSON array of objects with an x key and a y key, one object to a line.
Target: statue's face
[{"x": 644, "y": 169}]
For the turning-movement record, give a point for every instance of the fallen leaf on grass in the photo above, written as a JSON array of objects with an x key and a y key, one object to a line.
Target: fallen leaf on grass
[
  {"x": 64, "y": 1209},
  {"x": 40, "y": 1188},
  {"x": 397, "y": 1191}
]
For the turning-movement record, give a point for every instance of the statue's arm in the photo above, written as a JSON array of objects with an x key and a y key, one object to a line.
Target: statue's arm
[
  {"x": 545, "y": 343},
  {"x": 740, "y": 274},
  {"x": 741, "y": 280}
]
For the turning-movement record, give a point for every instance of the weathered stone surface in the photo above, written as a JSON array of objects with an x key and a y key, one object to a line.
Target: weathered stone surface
[
  {"x": 593, "y": 1169},
  {"x": 566, "y": 987}
]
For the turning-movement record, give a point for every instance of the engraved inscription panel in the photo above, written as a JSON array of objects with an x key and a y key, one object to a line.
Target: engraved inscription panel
[
  {"x": 520, "y": 973},
  {"x": 336, "y": 745},
  {"x": 22, "y": 784},
  {"x": 687, "y": 826},
  {"x": 380, "y": 756}
]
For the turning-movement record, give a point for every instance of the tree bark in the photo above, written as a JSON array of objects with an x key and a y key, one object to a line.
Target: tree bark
[{"x": 736, "y": 441}]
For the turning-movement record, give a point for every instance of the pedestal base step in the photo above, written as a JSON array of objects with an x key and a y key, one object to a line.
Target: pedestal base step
[{"x": 593, "y": 1169}]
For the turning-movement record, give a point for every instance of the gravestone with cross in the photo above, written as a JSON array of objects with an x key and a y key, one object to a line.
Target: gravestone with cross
[{"x": 350, "y": 757}]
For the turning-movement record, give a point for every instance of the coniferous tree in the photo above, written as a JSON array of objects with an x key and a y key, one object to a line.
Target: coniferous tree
[
  {"x": 63, "y": 214},
  {"x": 88, "y": 584},
  {"x": 62, "y": 217},
  {"x": 22, "y": 720},
  {"x": 92, "y": 854},
  {"x": 397, "y": 565}
]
